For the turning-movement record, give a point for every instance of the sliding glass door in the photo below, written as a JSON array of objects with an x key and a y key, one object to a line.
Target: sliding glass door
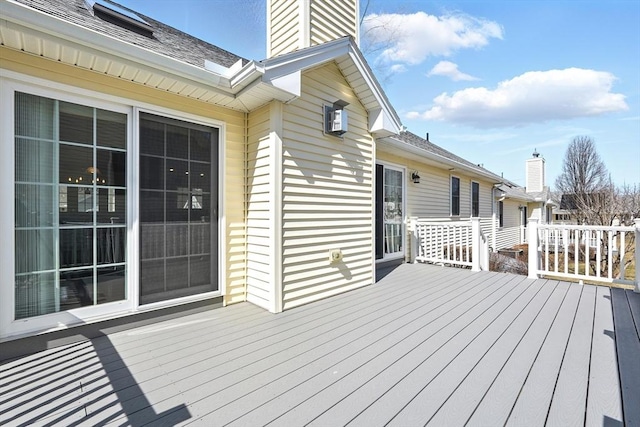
[
  {"x": 70, "y": 205},
  {"x": 178, "y": 208}
]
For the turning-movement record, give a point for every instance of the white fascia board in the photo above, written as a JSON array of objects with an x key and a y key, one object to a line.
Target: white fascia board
[
  {"x": 290, "y": 83},
  {"x": 25, "y": 16},
  {"x": 288, "y": 64},
  {"x": 372, "y": 82},
  {"x": 381, "y": 124},
  {"x": 408, "y": 148}
]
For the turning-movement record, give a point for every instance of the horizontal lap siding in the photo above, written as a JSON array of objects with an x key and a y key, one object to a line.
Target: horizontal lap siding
[
  {"x": 234, "y": 150},
  {"x": 259, "y": 205},
  {"x": 431, "y": 198},
  {"x": 284, "y": 27},
  {"x": 327, "y": 194},
  {"x": 509, "y": 235},
  {"x": 331, "y": 21}
]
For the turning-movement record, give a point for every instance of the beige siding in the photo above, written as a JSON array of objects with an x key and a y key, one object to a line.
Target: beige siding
[
  {"x": 326, "y": 194},
  {"x": 331, "y": 20},
  {"x": 296, "y": 24},
  {"x": 283, "y": 26},
  {"x": 233, "y": 196},
  {"x": 431, "y": 198},
  {"x": 509, "y": 234}
]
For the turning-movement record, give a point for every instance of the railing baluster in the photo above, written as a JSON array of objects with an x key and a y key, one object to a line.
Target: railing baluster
[
  {"x": 622, "y": 255},
  {"x": 610, "y": 255},
  {"x": 598, "y": 251},
  {"x": 546, "y": 249},
  {"x": 587, "y": 257},
  {"x": 576, "y": 252}
]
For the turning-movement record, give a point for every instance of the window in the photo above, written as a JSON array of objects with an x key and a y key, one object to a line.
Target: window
[
  {"x": 475, "y": 199},
  {"x": 501, "y": 214},
  {"x": 178, "y": 199},
  {"x": 70, "y": 205},
  {"x": 455, "y": 196}
]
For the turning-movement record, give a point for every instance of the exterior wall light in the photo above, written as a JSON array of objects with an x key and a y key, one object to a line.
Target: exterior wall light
[
  {"x": 335, "y": 118},
  {"x": 415, "y": 177}
]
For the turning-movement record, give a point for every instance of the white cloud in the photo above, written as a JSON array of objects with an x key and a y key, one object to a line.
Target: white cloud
[
  {"x": 411, "y": 38},
  {"x": 398, "y": 68},
  {"x": 449, "y": 69},
  {"x": 533, "y": 97}
]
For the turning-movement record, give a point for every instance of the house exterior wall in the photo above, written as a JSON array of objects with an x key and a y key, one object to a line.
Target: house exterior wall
[
  {"x": 509, "y": 234},
  {"x": 327, "y": 193},
  {"x": 431, "y": 198},
  {"x": 74, "y": 80}
]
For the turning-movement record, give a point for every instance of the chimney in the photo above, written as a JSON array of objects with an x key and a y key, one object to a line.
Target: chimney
[
  {"x": 535, "y": 173},
  {"x": 296, "y": 24}
]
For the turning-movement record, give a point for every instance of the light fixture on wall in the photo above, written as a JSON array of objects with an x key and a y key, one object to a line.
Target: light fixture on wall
[
  {"x": 335, "y": 118},
  {"x": 415, "y": 177}
]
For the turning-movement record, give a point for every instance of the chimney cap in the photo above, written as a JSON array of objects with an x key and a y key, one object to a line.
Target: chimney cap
[{"x": 535, "y": 153}]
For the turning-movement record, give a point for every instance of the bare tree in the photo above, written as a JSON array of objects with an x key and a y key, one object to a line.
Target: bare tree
[
  {"x": 585, "y": 184},
  {"x": 592, "y": 198}
]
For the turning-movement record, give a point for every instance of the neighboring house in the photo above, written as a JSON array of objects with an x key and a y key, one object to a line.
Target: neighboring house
[
  {"x": 152, "y": 170},
  {"x": 518, "y": 205}
]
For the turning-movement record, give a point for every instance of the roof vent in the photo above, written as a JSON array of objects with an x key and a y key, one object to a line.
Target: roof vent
[{"x": 118, "y": 15}]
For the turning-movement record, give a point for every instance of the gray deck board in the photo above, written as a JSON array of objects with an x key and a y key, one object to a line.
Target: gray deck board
[
  {"x": 362, "y": 362},
  {"x": 534, "y": 399},
  {"x": 426, "y": 403},
  {"x": 570, "y": 395},
  {"x": 373, "y": 379},
  {"x": 604, "y": 403},
  {"x": 628, "y": 351},
  {"x": 424, "y": 345},
  {"x": 499, "y": 400}
]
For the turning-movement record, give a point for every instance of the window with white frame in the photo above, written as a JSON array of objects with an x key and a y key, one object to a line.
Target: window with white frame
[
  {"x": 475, "y": 199},
  {"x": 455, "y": 196},
  {"x": 501, "y": 214}
]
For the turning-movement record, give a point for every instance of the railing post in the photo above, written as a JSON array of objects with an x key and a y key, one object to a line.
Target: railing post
[
  {"x": 532, "y": 242},
  {"x": 475, "y": 244},
  {"x": 414, "y": 240},
  {"x": 637, "y": 255}
]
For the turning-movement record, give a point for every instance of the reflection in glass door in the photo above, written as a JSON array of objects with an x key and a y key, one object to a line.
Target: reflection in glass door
[
  {"x": 178, "y": 216},
  {"x": 389, "y": 212}
]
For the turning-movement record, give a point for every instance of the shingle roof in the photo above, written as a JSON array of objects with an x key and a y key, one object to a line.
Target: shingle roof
[
  {"x": 165, "y": 40},
  {"x": 417, "y": 141}
]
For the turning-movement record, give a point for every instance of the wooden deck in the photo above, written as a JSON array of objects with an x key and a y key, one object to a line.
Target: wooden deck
[{"x": 426, "y": 345}]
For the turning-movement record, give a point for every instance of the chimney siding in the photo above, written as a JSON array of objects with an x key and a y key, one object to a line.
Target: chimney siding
[
  {"x": 297, "y": 24},
  {"x": 535, "y": 175}
]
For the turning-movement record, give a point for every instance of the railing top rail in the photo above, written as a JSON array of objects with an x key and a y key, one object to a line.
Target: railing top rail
[
  {"x": 586, "y": 227},
  {"x": 442, "y": 223}
]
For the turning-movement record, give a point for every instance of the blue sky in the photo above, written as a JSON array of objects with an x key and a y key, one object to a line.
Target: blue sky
[{"x": 488, "y": 80}]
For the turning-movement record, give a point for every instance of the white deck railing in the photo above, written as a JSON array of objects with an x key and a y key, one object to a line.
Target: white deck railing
[
  {"x": 460, "y": 243},
  {"x": 584, "y": 252}
]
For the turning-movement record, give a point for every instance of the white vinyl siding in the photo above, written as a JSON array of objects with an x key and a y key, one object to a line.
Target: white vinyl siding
[{"x": 327, "y": 193}]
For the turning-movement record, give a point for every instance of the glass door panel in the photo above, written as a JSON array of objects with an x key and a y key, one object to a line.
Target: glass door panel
[{"x": 178, "y": 228}]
